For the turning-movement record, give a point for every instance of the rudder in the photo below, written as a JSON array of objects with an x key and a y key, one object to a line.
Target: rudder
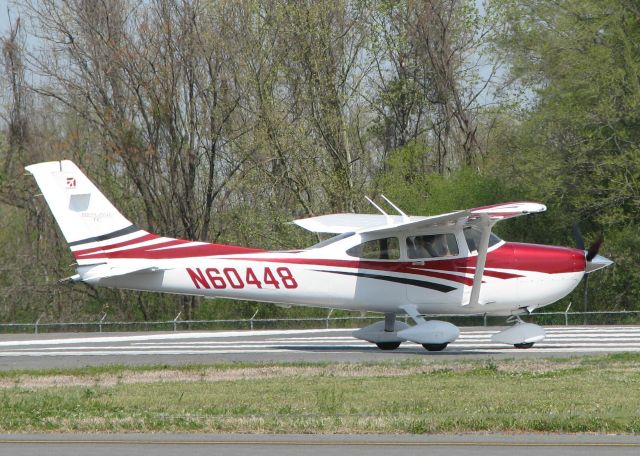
[{"x": 85, "y": 216}]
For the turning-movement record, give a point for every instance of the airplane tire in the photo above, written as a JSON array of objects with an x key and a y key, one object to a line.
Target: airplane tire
[
  {"x": 435, "y": 347},
  {"x": 388, "y": 345},
  {"x": 524, "y": 346}
]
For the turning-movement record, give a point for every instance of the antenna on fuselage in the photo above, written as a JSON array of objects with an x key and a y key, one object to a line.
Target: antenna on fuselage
[
  {"x": 405, "y": 217},
  {"x": 389, "y": 219}
]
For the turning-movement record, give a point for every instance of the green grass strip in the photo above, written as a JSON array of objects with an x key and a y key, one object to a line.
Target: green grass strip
[{"x": 586, "y": 394}]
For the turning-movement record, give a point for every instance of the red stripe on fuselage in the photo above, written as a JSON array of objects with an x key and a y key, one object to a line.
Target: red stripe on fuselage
[
  {"x": 146, "y": 237},
  {"x": 497, "y": 274},
  {"x": 440, "y": 275},
  {"x": 514, "y": 256},
  {"x": 152, "y": 252},
  {"x": 141, "y": 249}
]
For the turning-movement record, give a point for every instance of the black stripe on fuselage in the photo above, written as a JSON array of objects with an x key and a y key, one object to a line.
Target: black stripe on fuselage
[
  {"x": 105, "y": 237},
  {"x": 416, "y": 283}
]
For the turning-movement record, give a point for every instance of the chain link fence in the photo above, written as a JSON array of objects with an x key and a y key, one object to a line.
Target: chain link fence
[{"x": 177, "y": 324}]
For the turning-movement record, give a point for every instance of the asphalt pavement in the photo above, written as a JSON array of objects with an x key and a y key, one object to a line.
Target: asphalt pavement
[
  {"x": 28, "y": 351},
  {"x": 325, "y": 445}
]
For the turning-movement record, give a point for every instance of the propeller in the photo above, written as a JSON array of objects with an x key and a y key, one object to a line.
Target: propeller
[
  {"x": 590, "y": 255},
  {"x": 578, "y": 237},
  {"x": 593, "y": 249}
]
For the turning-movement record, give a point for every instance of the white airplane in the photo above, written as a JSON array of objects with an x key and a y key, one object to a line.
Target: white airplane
[{"x": 394, "y": 264}]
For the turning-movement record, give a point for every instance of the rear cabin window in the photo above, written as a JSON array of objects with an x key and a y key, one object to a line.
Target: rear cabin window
[
  {"x": 432, "y": 246},
  {"x": 473, "y": 234},
  {"x": 377, "y": 249}
]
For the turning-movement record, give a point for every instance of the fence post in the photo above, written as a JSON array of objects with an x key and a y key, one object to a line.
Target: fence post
[
  {"x": 104, "y": 315},
  {"x": 37, "y": 322},
  {"x": 484, "y": 317},
  {"x": 328, "y": 315},
  {"x": 566, "y": 315},
  {"x": 175, "y": 321},
  {"x": 251, "y": 319}
]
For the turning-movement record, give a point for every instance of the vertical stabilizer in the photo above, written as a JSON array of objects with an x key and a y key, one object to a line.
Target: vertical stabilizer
[{"x": 85, "y": 216}]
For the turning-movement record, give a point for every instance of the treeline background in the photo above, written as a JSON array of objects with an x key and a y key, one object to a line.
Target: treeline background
[{"x": 222, "y": 120}]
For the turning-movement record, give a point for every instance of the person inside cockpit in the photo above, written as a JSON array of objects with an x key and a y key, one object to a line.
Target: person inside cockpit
[{"x": 430, "y": 246}]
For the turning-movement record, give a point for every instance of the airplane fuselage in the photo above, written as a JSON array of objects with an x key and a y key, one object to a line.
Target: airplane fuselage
[{"x": 517, "y": 277}]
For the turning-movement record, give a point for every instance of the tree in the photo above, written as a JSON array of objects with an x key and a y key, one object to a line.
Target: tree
[
  {"x": 427, "y": 61},
  {"x": 578, "y": 142}
]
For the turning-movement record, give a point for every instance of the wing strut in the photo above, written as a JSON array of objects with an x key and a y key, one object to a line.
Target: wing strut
[
  {"x": 412, "y": 311},
  {"x": 485, "y": 224}
]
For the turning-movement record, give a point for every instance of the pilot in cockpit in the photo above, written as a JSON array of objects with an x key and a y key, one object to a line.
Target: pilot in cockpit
[{"x": 428, "y": 246}]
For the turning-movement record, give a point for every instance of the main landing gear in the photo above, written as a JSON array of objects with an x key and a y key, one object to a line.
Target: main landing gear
[
  {"x": 383, "y": 333},
  {"x": 435, "y": 347},
  {"x": 521, "y": 335},
  {"x": 433, "y": 335},
  {"x": 388, "y": 345}
]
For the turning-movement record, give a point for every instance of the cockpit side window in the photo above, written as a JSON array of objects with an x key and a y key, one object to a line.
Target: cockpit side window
[
  {"x": 377, "y": 249},
  {"x": 472, "y": 235},
  {"x": 432, "y": 246}
]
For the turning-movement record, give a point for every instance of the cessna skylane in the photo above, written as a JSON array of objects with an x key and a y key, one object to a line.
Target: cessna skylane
[{"x": 397, "y": 265}]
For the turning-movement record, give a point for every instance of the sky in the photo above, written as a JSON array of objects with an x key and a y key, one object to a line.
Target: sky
[{"x": 4, "y": 17}]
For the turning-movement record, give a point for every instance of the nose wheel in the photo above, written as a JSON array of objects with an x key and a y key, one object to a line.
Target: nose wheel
[
  {"x": 524, "y": 346},
  {"x": 435, "y": 347}
]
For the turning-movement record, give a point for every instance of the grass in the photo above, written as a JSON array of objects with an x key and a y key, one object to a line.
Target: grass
[{"x": 587, "y": 394}]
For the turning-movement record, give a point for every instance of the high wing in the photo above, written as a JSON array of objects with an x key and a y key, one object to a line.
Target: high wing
[
  {"x": 378, "y": 223},
  {"x": 497, "y": 212},
  {"x": 344, "y": 223}
]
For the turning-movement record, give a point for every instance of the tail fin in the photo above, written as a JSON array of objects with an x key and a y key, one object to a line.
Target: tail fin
[
  {"x": 97, "y": 232},
  {"x": 85, "y": 216}
]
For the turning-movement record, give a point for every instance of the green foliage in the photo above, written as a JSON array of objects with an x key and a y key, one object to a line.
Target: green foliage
[
  {"x": 408, "y": 182},
  {"x": 249, "y": 115},
  {"x": 577, "y": 145}
]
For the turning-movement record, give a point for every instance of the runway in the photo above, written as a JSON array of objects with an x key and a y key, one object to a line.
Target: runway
[
  {"x": 327, "y": 445},
  {"x": 24, "y": 351}
]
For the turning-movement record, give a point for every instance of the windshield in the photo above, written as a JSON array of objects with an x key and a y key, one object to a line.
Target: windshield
[
  {"x": 472, "y": 235},
  {"x": 331, "y": 240}
]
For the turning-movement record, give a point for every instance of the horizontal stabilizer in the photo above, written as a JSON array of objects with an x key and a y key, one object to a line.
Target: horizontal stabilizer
[{"x": 105, "y": 271}]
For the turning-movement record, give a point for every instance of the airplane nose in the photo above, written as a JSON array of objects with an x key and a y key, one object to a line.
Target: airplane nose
[{"x": 598, "y": 262}]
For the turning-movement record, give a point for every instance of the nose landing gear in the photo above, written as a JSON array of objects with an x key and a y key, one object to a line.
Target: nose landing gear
[{"x": 521, "y": 335}]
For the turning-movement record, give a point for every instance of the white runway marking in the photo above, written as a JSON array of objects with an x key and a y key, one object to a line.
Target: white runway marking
[
  {"x": 338, "y": 341},
  {"x": 166, "y": 336}
]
